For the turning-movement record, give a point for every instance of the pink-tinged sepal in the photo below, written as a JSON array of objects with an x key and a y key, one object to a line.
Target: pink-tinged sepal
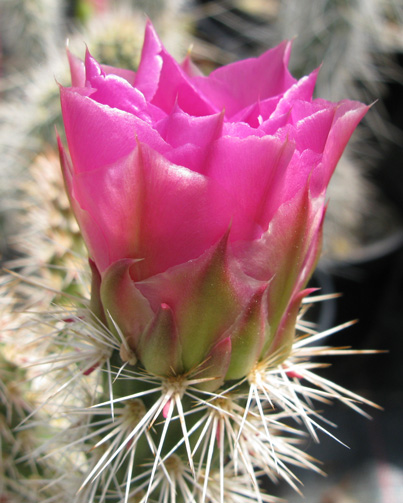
[
  {"x": 296, "y": 230},
  {"x": 205, "y": 315},
  {"x": 93, "y": 235},
  {"x": 215, "y": 366},
  {"x": 248, "y": 334},
  {"x": 159, "y": 347},
  {"x": 285, "y": 255},
  {"x": 125, "y": 307},
  {"x": 67, "y": 170},
  {"x": 280, "y": 346},
  {"x": 96, "y": 307}
]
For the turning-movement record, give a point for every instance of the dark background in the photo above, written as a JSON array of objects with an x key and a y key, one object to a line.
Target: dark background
[{"x": 371, "y": 283}]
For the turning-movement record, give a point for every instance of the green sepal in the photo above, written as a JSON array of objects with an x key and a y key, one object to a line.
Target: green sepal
[
  {"x": 215, "y": 366},
  {"x": 208, "y": 311},
  {"x": 281, "y": 345},
  {"x": 125, "y": 307},
  {"x": 297, "y": 231},
  {"x": 159, "y": 348},
  {"x": 248, "y": 335}
]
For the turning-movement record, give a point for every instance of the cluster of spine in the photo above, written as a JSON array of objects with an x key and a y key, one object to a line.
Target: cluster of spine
[
  {"x": 111, "y": 431},
  {"x": 14, "y": 408}
]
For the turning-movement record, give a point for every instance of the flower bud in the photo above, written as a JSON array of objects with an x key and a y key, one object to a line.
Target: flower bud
[{"x": 201, "y": 201}]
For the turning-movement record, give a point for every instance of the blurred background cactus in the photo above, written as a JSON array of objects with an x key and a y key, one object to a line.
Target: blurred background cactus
[{"x": 361, "y": 45}]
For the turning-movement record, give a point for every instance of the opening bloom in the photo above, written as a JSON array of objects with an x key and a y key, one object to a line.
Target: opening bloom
[{"x": 201, "y": 201}]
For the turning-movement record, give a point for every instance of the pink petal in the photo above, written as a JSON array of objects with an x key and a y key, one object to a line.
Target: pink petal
[
  {"x": 302, "y": 167},
  {"x": 179, "y": 128},
  {"x": 255, "y": 114},
  {"x": 302, "y": 90},
  {"x": 264, "y": 112},
  {"x": 271, "y": 126},
  {"x": 98, "y": 135},
  {"x": 114, "y": 91},
  {"x": 128, "y": 75},
  {"x": 93, "y": 235},
  {"x": 320, "y": 131},
  {"x": 312, "y": 124},
  {"x": 149, "y": 70},
  {"x": 124, "y": 195},
  {"x": 189, "y": 67},
  {"x": 241, "y": 130},
  {"x": 190, "y": 137},
  {"x": 251, "y": 170},
  {"x": 240, "y": 84},
  {"x": 293, "y": 228},
  {"x": 347, "y": 117},
  {"x": 322, "y": 128},
  {"x": 164, "y": 83}
]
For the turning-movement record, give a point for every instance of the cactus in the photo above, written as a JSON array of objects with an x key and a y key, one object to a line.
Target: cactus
[{"x": 81, "y": 419}]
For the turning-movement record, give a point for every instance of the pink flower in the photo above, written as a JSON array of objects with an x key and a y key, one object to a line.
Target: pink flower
[{"x": 201, "y": 201}]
